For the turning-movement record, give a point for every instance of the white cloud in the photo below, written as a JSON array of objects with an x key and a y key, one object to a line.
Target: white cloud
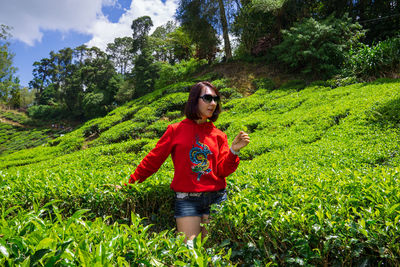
[
  {"x": 105, "y": 32},
  {"x": 30, "y": 17}
]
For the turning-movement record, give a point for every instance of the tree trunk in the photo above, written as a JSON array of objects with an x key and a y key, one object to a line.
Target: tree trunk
[{"x": 228, "y": 51}]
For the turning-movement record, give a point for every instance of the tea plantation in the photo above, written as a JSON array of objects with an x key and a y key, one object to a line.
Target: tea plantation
[{"x": 317, "y": 186}]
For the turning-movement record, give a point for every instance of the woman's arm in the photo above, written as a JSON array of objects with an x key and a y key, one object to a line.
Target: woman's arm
[
  {"x": 154, "y": 159},
  {"x": 228, "y": 161}
]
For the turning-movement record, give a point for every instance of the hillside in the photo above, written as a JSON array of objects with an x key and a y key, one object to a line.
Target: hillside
[
  {"x": 318, "y": 184},
  {"x": 18, "y": 131}
]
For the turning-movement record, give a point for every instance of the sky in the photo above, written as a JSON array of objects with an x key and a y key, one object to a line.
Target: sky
[{"x": 42, "y": 26}]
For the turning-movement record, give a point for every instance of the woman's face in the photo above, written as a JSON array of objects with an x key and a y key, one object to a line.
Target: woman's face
[{"x": 206, "y": 110}]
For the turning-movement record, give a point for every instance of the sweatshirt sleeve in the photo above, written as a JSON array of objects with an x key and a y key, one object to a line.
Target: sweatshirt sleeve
[
  {"x": 227, "y": 161},
  {"x": 154, "y": 159}
]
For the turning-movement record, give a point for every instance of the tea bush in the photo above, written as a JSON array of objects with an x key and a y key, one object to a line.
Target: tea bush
[
  {"x": 25, "y": 133},
  {"x": 33, "y": 239},
  {"x": 170, "y": 74},
  {"x": 14, "y": 138},
  {"x": 317, "y": 186}
]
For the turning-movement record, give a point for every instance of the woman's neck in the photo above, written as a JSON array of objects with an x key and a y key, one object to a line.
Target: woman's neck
[{"x": 201, "y": 121}]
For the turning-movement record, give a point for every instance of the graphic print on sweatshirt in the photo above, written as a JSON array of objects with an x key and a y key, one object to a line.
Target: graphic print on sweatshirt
[{"x": 198, "y": 156}]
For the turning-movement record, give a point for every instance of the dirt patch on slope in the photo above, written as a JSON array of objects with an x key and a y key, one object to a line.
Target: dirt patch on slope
[
  {"x": 7, "y": 121},
  {"x": 242, "y": 74}
]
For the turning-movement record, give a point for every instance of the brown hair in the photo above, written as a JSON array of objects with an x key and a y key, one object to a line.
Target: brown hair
[{"x": 192, "y": 109}]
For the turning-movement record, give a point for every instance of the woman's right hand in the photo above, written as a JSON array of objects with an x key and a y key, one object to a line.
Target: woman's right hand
[{"x": 240, "y": 141}]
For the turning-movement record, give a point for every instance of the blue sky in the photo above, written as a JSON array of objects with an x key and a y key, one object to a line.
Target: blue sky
[{"x": 41, "y": 26}]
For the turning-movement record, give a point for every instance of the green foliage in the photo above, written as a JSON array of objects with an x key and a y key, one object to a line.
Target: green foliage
[
  {"x": 15, "y": 116},
  {"x": 120, "y": 53},
  {"x": 145, "y": 73},
  {"x": 293, "y": 84},
  {"x": 165, "y": 47},
  {"x": 264, "y": 83},
  {"x": 181, "y": 43},
  {"x": 69, "y": 143},
  {"x": 96, "y": 242},
  {"x": 125, "y": 92},
  {"x": 14, "y": 138},
  {"x": 75, "y": 79},
  {"x": 23, "y": 132},
  {"x": 251, "y": 24},
  {"x": 318, "y": 48},
  {"x": 171, "y": 74},
  {"x": 229, "y": 93},
  {"x": 47, "y": 112},
  {"x": 375, "y": 61},
  {"x": 92, "y": 105},
  {"x": 317, "y": 185},
  {"x": 140, "y": 31},
  {"x": 9, "y": 84},
  {"x": 198, "y": 19},
  {"x": 220, "y": 83},
  {"x": 336, "y": 82}
]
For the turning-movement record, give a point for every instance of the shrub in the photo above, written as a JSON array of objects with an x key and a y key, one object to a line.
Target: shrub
[
  {"x": 318, "y": 47},
  {"x": 374, "y": 61},
  {"x": 220, "y": 83},
  {"x": 336, "y": 82},
  {"x": 229, "y": 93},
  {"x": 264, "y": 83},
  {"x": 171, "y": 102},
  {"x": 175, "y": 73},
  {"x": 178, "y": 87},
  {"x": 294, "y": 84},
  {"x": 46, "y": 112},
  {"x": 93, "y": 105},
  {"x": 146, "y": 114}
]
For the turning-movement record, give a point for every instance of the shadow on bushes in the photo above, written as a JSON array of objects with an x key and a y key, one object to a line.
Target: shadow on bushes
[
  {"x": 154, "y": 203},
  {"x": 387, "y": 115}
]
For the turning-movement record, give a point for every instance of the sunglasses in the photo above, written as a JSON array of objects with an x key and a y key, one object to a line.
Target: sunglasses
[{"x": 208, "y": 98}]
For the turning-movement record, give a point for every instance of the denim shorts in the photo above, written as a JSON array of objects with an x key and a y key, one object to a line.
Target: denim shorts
[{"x": 198, "y": 205}]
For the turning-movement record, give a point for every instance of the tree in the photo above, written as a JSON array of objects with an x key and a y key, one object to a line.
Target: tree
[
  {"x": 120, "y": 52},
  {"x": 61, "y": 66},
  {"x": 381, "y": 18},
  {"x": 125, "y": 92},
  {"x": 8, "y": 82},
  {"x": 161, "y": 44},
  {"x": 318, "y": 47},
  {"x": 145, "y": 71},
  {"x": 259, "y": 23},
  {"x": 197, "y": 19},
  {"x": 15, "y": 92},
  {"x": 181, "y": 44},
  {"x": 27, "y": 97},
  {"x": 224, "y": 23},
  {"x": 140, "y": 27},
  {"x": 74, "y": 79},
  {"x": 41, "y": 75},
  {"x": 95, "y": 76}
]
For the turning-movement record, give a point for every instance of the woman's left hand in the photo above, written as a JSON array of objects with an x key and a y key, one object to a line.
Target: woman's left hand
[{"x": 240, "y": 141}]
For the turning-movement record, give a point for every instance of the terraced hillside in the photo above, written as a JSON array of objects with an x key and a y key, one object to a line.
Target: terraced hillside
[
  {"x": 317, "y": 185},
  {"x": 18, "y": 132}
]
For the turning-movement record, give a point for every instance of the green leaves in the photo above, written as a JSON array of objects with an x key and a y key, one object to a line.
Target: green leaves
[
  {"x": 318, "y": 48},
  {"x": 374, "y": 61},
  {"x": 318, "y": 184},
  {"x": 4, "y": 251}
]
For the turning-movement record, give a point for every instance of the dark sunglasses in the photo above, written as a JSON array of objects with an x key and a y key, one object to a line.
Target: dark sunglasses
[{"x": 208, "y": 98}]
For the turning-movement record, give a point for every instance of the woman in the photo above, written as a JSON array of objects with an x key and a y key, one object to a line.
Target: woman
[{"x": 202, "y": 160}]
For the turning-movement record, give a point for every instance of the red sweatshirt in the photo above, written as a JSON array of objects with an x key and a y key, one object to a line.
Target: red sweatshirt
[{"x": 200, "y": 153}]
